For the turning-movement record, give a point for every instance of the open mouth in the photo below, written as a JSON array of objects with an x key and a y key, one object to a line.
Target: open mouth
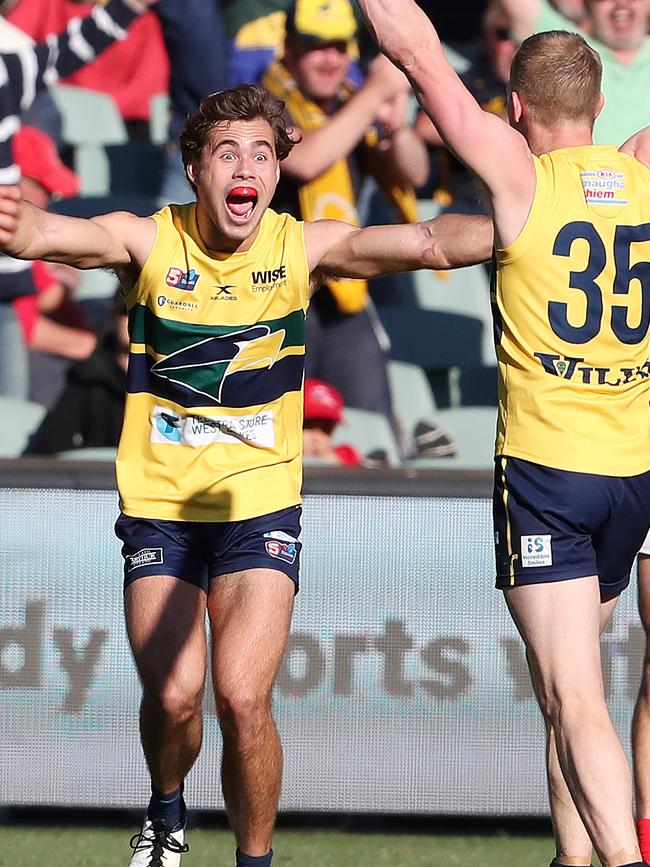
[
  {"x": 622, "y": 18},
  {"x": 241, "y": 202}
]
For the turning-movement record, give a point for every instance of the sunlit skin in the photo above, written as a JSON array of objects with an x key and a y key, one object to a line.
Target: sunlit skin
[
  {"x": 34, "y": 192},
  {"x": 320, "y": 69},
  {"x": 622, "y": 25},
  {"x": 235, "y": 177}
]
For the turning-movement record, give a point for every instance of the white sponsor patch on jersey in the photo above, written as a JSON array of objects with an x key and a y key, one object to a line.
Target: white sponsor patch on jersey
[
  {"x": 604, "y": 187},
  {"x": 171, "y": 429}
]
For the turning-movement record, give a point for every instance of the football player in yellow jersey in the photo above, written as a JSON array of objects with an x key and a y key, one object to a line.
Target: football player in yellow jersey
[
  {"x": 572, "y": 313},
  {"x": 209, "y": 464}
]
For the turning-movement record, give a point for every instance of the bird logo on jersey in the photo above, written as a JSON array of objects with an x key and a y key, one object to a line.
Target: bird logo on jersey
[{"x": 205, "y": 366}]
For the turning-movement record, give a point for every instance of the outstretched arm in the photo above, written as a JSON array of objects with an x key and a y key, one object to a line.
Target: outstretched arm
[
  {"x": 336, "y": 249},
  {"x": 117, "y": 240}
]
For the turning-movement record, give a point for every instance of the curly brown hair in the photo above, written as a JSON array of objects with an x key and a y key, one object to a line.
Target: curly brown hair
[{"x": 244, "y": 102}]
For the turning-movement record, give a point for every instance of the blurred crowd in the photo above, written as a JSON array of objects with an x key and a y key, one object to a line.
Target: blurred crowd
[{"x": 366, "y": 155}]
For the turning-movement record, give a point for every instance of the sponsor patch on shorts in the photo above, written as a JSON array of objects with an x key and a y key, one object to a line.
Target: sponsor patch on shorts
[
  {"x": 536, "y": 551},
  {"x": 281, "y": 546},
  {"x": 144, "y": 557}
]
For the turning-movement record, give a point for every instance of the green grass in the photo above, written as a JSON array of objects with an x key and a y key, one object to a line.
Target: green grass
[{"x": 91, "y": 847}]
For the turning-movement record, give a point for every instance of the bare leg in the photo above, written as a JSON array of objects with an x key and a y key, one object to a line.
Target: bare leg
[
  {"x": 641, "y": 721},
  {"x": 573, "y": 846},
  {"x": 560, "y": 626},
  {"x": 250, "y": 614},
  {"x": 165, "y": 619}
]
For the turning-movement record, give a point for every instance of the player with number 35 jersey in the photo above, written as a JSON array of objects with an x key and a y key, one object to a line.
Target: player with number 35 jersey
[
  {"x": 572, "y": 310},
  {"x": 571, "y": 314}
]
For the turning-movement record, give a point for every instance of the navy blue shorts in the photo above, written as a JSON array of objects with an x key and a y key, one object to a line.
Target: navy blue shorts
[
  {"x": 196, "y": 551},
  {"x": 553, "y": 525}
]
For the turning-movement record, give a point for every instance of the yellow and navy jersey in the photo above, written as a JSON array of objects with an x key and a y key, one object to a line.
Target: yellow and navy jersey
[
  {"x": 213, "y": 419},
  {"x": 571, "y": 306}
]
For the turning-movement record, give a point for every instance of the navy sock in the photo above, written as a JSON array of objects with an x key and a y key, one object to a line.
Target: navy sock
[
  {"x": 253, "y": 860},
  {"x": 169, "y": 806}
]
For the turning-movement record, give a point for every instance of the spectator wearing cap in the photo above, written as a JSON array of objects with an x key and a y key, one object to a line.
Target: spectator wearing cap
[
  {"x": 54, "y": 327},
  {"x": 323, "y": 413},
  {"x": 257, "y": 31},
  {"x": 347, "y": 133}
]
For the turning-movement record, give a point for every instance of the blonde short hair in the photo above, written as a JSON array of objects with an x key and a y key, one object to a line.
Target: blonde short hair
[{"x": 558, "y": 77}]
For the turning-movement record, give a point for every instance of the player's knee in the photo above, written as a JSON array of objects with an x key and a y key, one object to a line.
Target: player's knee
[
  {"x": 568, "y": 706},
  {"x": 241, "y": 709},
  {"x": 177, "y": 700}
]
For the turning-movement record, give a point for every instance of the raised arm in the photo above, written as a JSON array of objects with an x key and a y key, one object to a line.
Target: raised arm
[
  {"x": 335, "y": 249},
  {"x": 119, "y": 240},
  {"x": 497, "y": 153}
]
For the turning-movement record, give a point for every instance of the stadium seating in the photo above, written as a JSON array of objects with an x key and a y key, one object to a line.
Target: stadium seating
[
  {"x": 89, "y": 454},
  {"x": 368, "y": 432},
  {"x": 134, "y": 167},
  {"x": 159, "y": 118},
  {"x": 411, "y": 393},
  {"x": 89, "y": 117},
  {"x": 93, "y": 206},
  {"x": 473, "y": 429},
  {"x": 96, "y": 283},
  {"x": 21, "y": 418},
  {"x": 465, "y": 292},
  {"x": 431, "y": 338},
  {"x": 77, "y": 105}
]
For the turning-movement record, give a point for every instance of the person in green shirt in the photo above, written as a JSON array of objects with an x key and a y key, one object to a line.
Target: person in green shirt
[{"x": 619, "y": 33}]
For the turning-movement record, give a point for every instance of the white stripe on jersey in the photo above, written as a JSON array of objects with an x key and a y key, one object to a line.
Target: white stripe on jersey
[
  {"x": 50, "y": 74},
  {"x": 104, "y": 21},
  {"x": 9, "y": 126},
  {"x": 4, "y": 75},
  {"x": 78, "y": 44},
  {"x": 29, "y": 64}
]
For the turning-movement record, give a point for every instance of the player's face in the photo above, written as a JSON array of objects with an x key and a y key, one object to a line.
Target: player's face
[
  {"x": 621, "y": 24},
  {"x": 321, "y": 69},
  {"x": 235, "y": 176}
]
